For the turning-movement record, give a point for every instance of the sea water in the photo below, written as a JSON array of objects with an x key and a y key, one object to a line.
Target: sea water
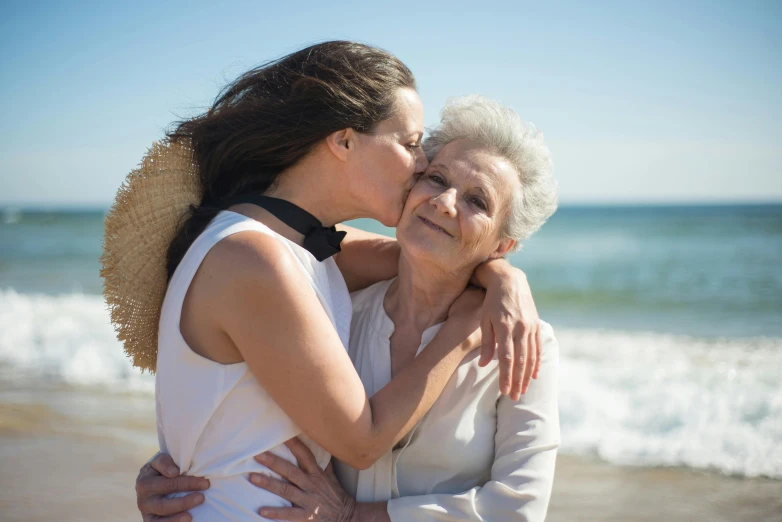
[{"x": 669, "y": 321}]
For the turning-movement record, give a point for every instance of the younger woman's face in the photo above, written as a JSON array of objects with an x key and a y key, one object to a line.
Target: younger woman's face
[{"x": 389, "y": 158}]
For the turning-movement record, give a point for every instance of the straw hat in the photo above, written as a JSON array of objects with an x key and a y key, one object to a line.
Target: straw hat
[{"x": 139, "y": 228}]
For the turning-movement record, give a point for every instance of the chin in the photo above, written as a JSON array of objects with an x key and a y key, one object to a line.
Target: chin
[
  {"x": 392, "y": 216},
  {"x": 385, "y": 215},
  {"x": 388, "y": 220}
]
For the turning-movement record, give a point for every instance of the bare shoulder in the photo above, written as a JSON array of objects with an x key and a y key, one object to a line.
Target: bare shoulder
[
  {"x": 235, "y": 273},
  {"x": 247, "y": 258},
  {"x": 226, "y": 289}
]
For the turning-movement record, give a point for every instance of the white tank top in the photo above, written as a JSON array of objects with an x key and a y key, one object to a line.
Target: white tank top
[{"x": 213, "y": 418}]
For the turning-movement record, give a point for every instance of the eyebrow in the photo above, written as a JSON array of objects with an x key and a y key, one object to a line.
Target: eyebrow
[{"x": 485, "y": 194}]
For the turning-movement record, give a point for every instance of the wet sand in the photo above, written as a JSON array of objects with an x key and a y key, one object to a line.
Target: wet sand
[
  {"x": 586, "y": 490},
  {"x": 73, "y": 454}
]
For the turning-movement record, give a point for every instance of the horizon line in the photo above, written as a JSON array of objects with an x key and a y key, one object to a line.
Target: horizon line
[{"x": 95, "y": 207}]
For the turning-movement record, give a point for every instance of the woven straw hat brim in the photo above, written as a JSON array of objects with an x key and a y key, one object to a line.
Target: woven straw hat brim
[{"x": 139, "y": 227}]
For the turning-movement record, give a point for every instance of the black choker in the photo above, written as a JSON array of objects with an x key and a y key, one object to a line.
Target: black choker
[{"x": 322, "y": 242}]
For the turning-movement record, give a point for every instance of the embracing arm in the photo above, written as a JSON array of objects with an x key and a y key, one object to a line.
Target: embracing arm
[
  {"x": 509, "y": 320},
  {"x": 367, "y": 258},
  {"x": 522, "y": 475},
  {"x": 269, "y": 310}
]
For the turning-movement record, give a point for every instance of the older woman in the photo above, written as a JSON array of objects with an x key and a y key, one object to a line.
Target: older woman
[{"x": 477, "y": 455}]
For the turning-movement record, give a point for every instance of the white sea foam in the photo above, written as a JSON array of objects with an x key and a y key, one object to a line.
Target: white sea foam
[
  {"x": 653, "y": 399},
  {"x": 628, "y": 398},
  {"x": 67, "y": 338}
]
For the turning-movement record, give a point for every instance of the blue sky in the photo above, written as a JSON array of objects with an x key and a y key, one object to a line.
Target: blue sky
[{"x": 640, "y": 102}]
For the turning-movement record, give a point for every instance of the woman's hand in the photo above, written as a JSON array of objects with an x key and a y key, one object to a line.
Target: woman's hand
[
  {"x": 315, "y": 494},
  {"x": 510, "y": 322},
  {"x": 160, "y": 477}
]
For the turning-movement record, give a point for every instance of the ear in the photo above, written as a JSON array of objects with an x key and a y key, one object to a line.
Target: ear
[
  {"x": 341, "y": 143},
  {"x": 503, "y": 248}
]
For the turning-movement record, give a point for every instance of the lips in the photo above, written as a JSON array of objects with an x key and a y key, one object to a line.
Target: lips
[{"x": 434, "y": 226}]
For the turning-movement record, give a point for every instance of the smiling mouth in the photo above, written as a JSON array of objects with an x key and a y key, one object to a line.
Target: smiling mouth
[{"x": 433, "y": 226}]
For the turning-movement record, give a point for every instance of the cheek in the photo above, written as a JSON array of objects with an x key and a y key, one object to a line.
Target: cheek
[
  {"x": 392, "y": 173},
  {"x": 403, "y": 162},
  {"x": 477, "y": 233},
  {"x": 420, "y": 193},
  {"x": 413, "y": 200},
  {"x": 386, "y": 160}
]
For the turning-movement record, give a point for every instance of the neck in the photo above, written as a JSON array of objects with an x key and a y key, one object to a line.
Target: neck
[
  {"x": 422, "y": 293},
  {"x": 314, "y": 185}
]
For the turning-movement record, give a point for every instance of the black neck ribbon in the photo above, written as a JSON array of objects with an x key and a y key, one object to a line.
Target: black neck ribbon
[{"x": 322, "y": 242}]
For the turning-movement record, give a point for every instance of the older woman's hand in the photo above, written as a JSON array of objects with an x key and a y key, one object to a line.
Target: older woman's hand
[
  {"x": 160, "y": 477},
  {"x": 510, "y": 321},
  {"x": 315, "y": 494}
]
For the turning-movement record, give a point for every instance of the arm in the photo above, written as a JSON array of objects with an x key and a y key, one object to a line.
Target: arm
[
  {"x": 522, "y": 475},
  {"x": 367, "y": 258},
  {"x": 341, "y": 412},
  {"x": 262, "y": 302},
  {"x": 510, "y": 319}
]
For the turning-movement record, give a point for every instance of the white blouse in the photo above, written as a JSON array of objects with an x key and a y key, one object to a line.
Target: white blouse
[{"x": 477, "y": 455}]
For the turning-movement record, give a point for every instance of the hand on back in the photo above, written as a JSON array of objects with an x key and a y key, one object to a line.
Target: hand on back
[{"x": 159, "y": 478}]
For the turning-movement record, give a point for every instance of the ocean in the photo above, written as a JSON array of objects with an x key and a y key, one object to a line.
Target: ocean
[{"x": 669, "y": 320}]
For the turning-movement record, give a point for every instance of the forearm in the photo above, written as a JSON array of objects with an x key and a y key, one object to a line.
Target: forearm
[
  {"x": 492, "y": 502},
  {"x": 399, "y": 405},
  {"x": 367, "y": 258},
  {"x": 494, "y": 271},
  {"x": 370, "y": 512}
]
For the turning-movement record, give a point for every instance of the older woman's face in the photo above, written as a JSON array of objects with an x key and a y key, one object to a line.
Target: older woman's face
[{"x": 455, "y": 212}]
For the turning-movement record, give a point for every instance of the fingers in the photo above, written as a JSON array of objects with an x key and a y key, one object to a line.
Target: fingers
[
  {"x": 181, "y": 517},
  {"x": 283, "y": 513},
  {"x": 285, "y": 469},
  {"x": 531, "y": 362},
  {"x": 157, "y": 485},
  {"x": 519, "y": 364},
  {"x": 487, "y": 346},
  {"x": 538, "y": 348},
  {"x": 286, "y": 490},
  {"x": 164, "y": 464},
  {"x": 162, "y": 506},
  {"x": 304, "y": 456},
  {"x": 505, "y": 355}
]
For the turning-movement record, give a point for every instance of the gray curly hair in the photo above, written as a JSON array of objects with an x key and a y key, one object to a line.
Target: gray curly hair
[{"x": 499, "y": 128}]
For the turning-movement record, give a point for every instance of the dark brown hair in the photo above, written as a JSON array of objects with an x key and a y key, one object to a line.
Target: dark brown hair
[{"x": 273, "y": 116}]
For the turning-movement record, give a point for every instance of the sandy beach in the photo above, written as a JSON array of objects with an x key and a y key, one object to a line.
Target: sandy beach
[{"x": 72, "y": 454}]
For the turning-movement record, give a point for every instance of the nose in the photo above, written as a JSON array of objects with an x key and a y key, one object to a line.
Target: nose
[
  {"x": 445, "y": 202},
  {"x": 421, "y": 162}
]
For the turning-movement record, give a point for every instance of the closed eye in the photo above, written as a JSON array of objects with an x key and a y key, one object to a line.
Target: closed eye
[{"x": 478, "y": 202}]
